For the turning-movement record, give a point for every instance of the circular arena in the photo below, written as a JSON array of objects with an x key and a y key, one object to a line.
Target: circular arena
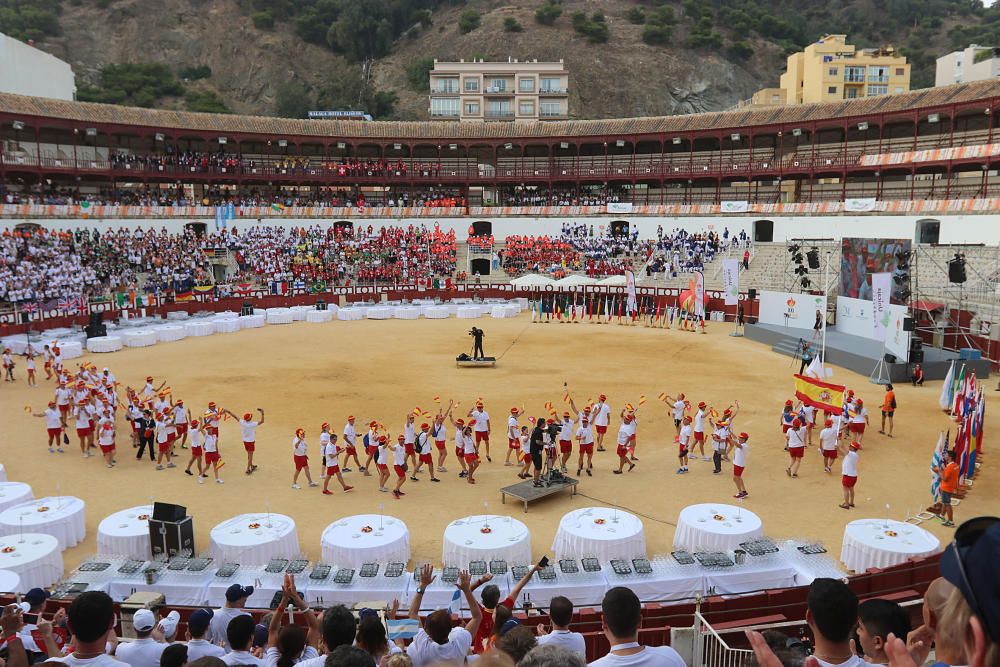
[{"x": 760, "y": 336}]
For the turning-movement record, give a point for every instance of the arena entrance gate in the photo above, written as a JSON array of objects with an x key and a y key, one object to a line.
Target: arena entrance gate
[
  {"x": 343, "y": 226},
  {"x": 619, "y": 228},
  {"x": 481, "y": 228},
  {"x": 199, "y": 228},
  {"x": 928, "y": 230}
]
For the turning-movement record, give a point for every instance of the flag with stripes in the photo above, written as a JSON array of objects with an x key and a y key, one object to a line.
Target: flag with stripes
[{"x": 936, "y": 460}]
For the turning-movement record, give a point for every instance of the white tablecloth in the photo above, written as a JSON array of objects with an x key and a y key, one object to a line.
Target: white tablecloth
[
  {"x": 668, "y": 581},
  {"x": 504, "y": 311},
  {"x": 299, "y": 312},
  {"x": 317, "y": 316},
  {"x": 507, "y": 540},
  {"x": 351, "y": 314},
  {"x": 582, "y": 588},
  {"x": 124, "y": 533},
  {"x": 14, "y": 493},
  {"x": 177, "y": 315},
  {"x": 199, "y": 328},
  {"x": 468, "y": 312},
  {"x": 63, "y": 517},
  {"x": 599, "y": 532},
  {"x": 140, "y": 338},
  {"x": 881, "y": 543},
  {"x": 698, "y": 529},
  {"x": 345, "y": 543},
  {"x": 3, "y": 473},
  {"x": 361, "y": 589},
  {"x": 170, "y": 332},
  {"x": 10, "y": 582},
  {"x": 227, "y": 325},
  {"x": 70, "y": 349},
  {"x": 254, "y": 321},
  {"x": 104, "y": 344},
  {"x": 34, "y": 557},
  {"x": 435, "y": 312},
  {"x": 254, "y": 539},
  {"x": 755, "y": 575},
  {"x": 279, "y": 316},
  {"x": 379, "y": 313},
  {"x": 188, "y": 588},
  {"x": 407, "y": 313}
]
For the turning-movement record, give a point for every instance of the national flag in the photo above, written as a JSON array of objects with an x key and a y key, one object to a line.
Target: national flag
[
  {"x": 30, "y": 307},
  {"x": 946, "y": 397},
  {"x": 642, "y": 399},
  {"x": 279, "y": 287},
  {"x": 455, "y": 607},
  {"x": 959, "y": 395},
  {"x": 981, "y": 420},
  {"x": 205, "y": 289},
  {"x": 590, "y": 309},
  {"x": 936, "y": 460},
  {"x": 558, "y": 311},
  {"x": 573, "y": 311},
  {"x": 184, "y": 295},
  {"x": 819, "y": 394},
  {"x": 608, "y": 310},
  {"x": 65, "y": 304},
  {"x": 815, "y": 368},
  {"x": 534, "y": 311},
  {"x": 278, "y": 208}
]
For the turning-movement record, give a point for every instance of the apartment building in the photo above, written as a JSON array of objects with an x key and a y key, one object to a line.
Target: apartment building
[
  {"x": 973, "y": 63},
  {"x": 499, "y": 91}
]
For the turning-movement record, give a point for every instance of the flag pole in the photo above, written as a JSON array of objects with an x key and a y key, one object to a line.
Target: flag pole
[{"x": 826, "y": 299}]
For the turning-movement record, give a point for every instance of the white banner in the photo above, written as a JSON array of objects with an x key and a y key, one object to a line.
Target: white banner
[
  {"x": 881, "y": 291},
  {"x": 619, "y": 207},
  {"x": 787, "y": 309},
  {"x": 699, "y": 294},
  {"x": 734, "y": 207},
  {"x": 731, "y": 281},
  {"x": 859, "y": 205},
  {"x": 897, "y": 341},
  {"x": 854, "y": 317}
]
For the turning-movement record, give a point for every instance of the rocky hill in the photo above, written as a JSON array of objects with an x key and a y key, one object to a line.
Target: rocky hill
[{"x": 625, "y": 57}]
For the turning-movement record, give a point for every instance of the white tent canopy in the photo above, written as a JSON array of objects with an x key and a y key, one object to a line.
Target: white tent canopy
[
  {"x": 533, "y": 280},
  {"x": 575, "y": 280},
  {"x": 612, "y": 280}
]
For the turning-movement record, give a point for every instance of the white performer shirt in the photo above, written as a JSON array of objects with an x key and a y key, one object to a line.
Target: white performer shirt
[
  {"x": 83, "y": 414},
  {"x": 601, "y": 412},
  {"x": 350, "y": 435},
  {"x": 330, "y": 453},
  {"x": 148, "y": 390},
  {"x": 828, "y": 439},
  {"x": 740, "y": 455},
  {"x": 525, "y": 444},
  {"x": 720, "y": 438},
  {"x": 859, "y": 416},
  {"x": 459, "y": 439},
  {"x": 699, "y": 421},
  {"x": 382, "y": 458},
  {"x": 398, "y": 455},
  {"x": 372, "y": 438},
  {"x": 585, "y": 435},
  {"x": 161, "y": 431},
  {"x": 685, "y": 436},
  {"x": 482, "y": 419},
  {"x": 53, "y": 418},
  {"x": 211, "y": 443},
  {"x": 439, "y": 432},
  {"x": 632, "y": 427},
  {"x": 299, "y": 446},
  {"x": 409, "y": 433},
  {"x": 423, "y": 445},
  {"x": 62, "y": 396},
  {"x": 810, "y": 413},
  {"x": 107, "y": 437},
  {"x": 324, "y": 440},
  {"x": 679, "y": 410},
  {"x": 795, "y": 438},
  {"x": 566, "y": 429},
  {"x": 623, "y": 434},
  {"x": 513, "y": 429},
  {"x": 195, "y": 438},
  {"x": 850, "y": 465},
  {"x": 249, "y": 430},
  {"x": 180, "y": 415},
  {"x": 470, "y": 445}
]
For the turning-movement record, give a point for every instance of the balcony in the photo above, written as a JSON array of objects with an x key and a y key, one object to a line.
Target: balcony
[
  {"x": 878, "y": 78},
  {"x": 551, "y": 114},
  {"x": 445, "y": 90},
  {"x": 497, "y": 91},
  {"x": 553, "y": 91},
  {"x": 499, "y": 115}
]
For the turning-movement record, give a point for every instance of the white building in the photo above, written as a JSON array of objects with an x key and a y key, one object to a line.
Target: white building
[
  {"x": 975, "y": 63},
  {"x": 25, "y": 70}
]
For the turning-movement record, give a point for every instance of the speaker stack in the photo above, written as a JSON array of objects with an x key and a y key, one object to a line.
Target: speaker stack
[
  {"x": 171, "y": 532},
  {"x": 956, "y": 269},
  {"x": 96, "y": 327}
]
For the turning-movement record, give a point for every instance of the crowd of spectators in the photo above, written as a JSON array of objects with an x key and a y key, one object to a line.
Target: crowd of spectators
[
  {"x": 43, "y": 267},
  {"x": 539, "y": 196}
]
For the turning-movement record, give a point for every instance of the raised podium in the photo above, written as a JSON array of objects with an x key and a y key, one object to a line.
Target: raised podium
[{"x": 465, "y": 361}]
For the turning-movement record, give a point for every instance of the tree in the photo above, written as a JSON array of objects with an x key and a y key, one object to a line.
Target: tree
[
  {"x": 134, "y": 84},
  {"x": 510, "y": 24},
  {"x": 207, "y": 101},
  {"x": 194, "y": 73},
  {"x": 263, "y": 20},
  {"x": 469, "y": 21},
  {"x": 292, "y": 100},
  {"x": 636, "y": 16},
  {"x": 418, "y": 73},
  {"x": 548, "y": 13},
  {"x": 656, "y": 35},
  {"x": 741, "y": 50}
]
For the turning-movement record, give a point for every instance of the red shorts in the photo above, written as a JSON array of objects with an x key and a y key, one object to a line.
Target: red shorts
[
  {"x": 369, "y": 449},
  {"x": 300, "y": 462},
  {"x": 682, "y": 450},
  {"x": 829, "y": 453},
  {"x": 426, "y": 458},
  {"x": 82, "y": 432},
  {"x": 409, "y": 448},
  {"x": 565, "y": 446},
  {"x": 459, "y": 452},
  {"x": 737, "y": 471},
  {"x": 482, "y": 436},
  {"x": 332, "y": 470},
  {"x": 400, "y": 471},
  {"x": 107, "y": 449},
  {"x": 848, "y": 481},
  {"x": 171, "y": 437},
  {"x": 135, "y": 427},
  {"x": 587, "y": 448},
  {"x": 513, "y": 444},
  {"x": 54, "y": 431},
  {"x": 631, "y": 439},
  {"x": 64, "y": 408},
  {"x": 351, "y": 451},
  {"x": 163, "y": 447},
  {"x": 471, "y": 458},
  {"x": 785, "y": 427},
  {"x": 699, "y": 436},
  {"x": 439, "y": 444},
  {"x": 181, "y": 429},
  {"x": 381, "y": 467},
  {"x": 601, "y": 429},
  {"x": 196, "y": 452},
  {"x": 211, "y": 457},
  {"x": 796, "y": 452},
  {"x": 250, "y": 446},
  {"x": 856, "y": 427},
  {"x": 622, "y": 451}
]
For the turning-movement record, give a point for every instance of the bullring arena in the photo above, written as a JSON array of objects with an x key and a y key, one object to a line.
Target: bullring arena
[{"x": 591, "y": 199}]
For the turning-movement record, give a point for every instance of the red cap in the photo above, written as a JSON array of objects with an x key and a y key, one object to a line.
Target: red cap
[
  {"x": 586, "y": 409},
  {"x": 382, "y": 438},
  {"x": 350, "y": 418},
  {"x": 149, "y": 378},
  {"x": 788, "y": 404},
  {"x": 628, "y": 418},
  {"x": 194, "y": 423},
  {"x": 211, "y": 404},
  {"x": 603, "y": 397},
  {"x": 300, "y": 432},
  {"x": 860, "y": 403},
  {"x": 425, "y": 426},
  {"x": 325, "y": 425},
  {"x": 687, "y": 419},
  {"x": 566, "y": 414},
  {"x": 479, "y": 404},
  {"x": 400, "y": 437},
  {"x": 829, "y": 422},
  {"x": 180, "y": 401},
  {"x": 701, "y": 404},
  {"x": 460, "y": 422},
  {"x": 680, "y": 396},
  {"x": 51, "y": 403},
  {"x": 855, "y": 446},
  {"x": 796, "y": 422},
  {"x": 727, "y": 411},
  {"x": 514, "y": 411},
  {"x": 550, "y": 421},
  {"x": 744, "y": 436},
  {"x": 247, "y": 416},
  {"x": 373, "y": 424}
]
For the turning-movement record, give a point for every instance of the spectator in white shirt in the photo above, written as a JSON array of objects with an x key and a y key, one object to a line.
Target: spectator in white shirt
[
  {"x": 338, "y": 627},
  {"x": 622, "y": 613},
  {"x": 437, "y": 642},
  {"x": 197, "y": 645},
  {"x": 290, "y": 645},
  {"x": 239, "y": 634},
  {"x": 550, "y": 654},
  {"x": 561, "y": 614},
  {"x": 236, "y": 599},
  {"x": 144, "y": 651},
  {"x": 92, "y": 617}
]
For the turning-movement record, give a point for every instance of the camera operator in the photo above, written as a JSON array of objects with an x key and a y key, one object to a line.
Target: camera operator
[{"x": 477, "y": 350}]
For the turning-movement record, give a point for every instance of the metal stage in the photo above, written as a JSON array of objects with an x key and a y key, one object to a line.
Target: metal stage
[{"x": 859, "y": 354}]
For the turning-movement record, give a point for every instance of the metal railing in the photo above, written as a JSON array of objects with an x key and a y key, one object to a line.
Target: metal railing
[{"x": 711, "y": 650}]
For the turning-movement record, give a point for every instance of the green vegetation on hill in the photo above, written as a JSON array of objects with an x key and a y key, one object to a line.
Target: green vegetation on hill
[
  {"x": 134, "y": 84},
  {"x": 29, "y": 19}
]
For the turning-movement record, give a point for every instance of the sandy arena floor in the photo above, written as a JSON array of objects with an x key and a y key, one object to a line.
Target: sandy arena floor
[{"x": 304, "y": 374}]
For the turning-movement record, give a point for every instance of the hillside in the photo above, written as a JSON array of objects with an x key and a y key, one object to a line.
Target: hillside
[{"x": 285, "y": 57}]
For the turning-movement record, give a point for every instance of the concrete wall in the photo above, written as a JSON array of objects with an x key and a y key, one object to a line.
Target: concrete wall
[{"x": 25, "y": 70}]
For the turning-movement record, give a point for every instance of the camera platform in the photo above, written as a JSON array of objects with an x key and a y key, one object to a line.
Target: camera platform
[
  {"x": 465, "y": 361},
  {"x": 527, "y": 492}
]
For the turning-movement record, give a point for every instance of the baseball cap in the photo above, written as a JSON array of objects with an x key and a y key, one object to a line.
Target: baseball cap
[
  {"x": 199, "y": 620},
  {"x": 37, "y": 596},
  {"x": 169, "y": 624},
  {"x": 143, "y": 620},
  {"x": 969, "y": 563},
  {"x": 508, "y": 625},
  {"x": 260, "y": 632},
  {"x": 236, "y": 591}
]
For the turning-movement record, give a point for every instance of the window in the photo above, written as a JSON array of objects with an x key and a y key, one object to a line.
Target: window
[
  {"x": 472, "y": 108},
  {"x": 498, "y": 85},
  {"x": 900, "y": 71},
  {"x": 878, "y": 73},
  {"x": 499, "y": 109},
  {"x": 833, "y": 71},
  {"x": 472, "y": 85},
  {"x": 444, "y": 106},
  {"x": 526, "y": 85},
  {"x": 550, "y": 109},
  {"x": 446, "y": 86},
  {"x": 854, "y": 74},
  {"x": 526, "y": 108},
  {"x": 832, "y": 90},
  {"x": 551, "y": 85},
  {"x": 899, "y": 89},
  {"x": 850, "y": 93},
  {"x": 877, "y": 89}
]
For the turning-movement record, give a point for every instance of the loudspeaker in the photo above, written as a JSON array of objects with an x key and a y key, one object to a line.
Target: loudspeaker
[
  {"x": 96, "y": 330},
  {"x": 320, "y": 304},
  {"x": 171, "y": 538},
  {"x": 956, "y": 271},
  {"x": 96, "y": 319},
  {"x": 908, "y": 324},
  {"x": 890, "y": 358},
  {"x": 916, "y": 343},
  {"x": 917, "y": 356},
  {"x": 247, "y": 309},
  {"x": 813, "y": 257},
  {"x": 751, "y": 293},
  {"x": 168, "y": 512}
]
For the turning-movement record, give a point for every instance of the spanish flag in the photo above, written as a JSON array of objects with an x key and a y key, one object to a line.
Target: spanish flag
[{"x": 819, "y": 394}]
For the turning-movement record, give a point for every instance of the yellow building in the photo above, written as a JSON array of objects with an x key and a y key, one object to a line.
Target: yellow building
[{"x": 831, "y": 69}]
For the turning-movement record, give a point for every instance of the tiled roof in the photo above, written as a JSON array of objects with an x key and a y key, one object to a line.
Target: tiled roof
[{"x": 87, "y": 112}]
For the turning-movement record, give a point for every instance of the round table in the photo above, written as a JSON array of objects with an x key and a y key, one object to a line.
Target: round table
[
  {"x": 351, "y": 314},
  {"x": 464, "y": 541},
  {"x": 468, "y": 312},
  {"x": 435, "y": 312},
  {"x": 227, "y": 324},
  {"x": 34, "y": 557},
  {"x": 125, "y": 533},
  {"x": 104, "y": 344},
  {"x": 715, "y": 527},
  {"x": 199, "y": 328},
  {"x": 14, "y": 493},
  {"x": 254, "y": 539},
  {"x": 379, "y": 313},
  {"x": 254, "y": 321},
  {"x": 407, "y": 313},
  {"x": 63, "y": 517},
  {"x": 10, "y": 582},
  {"x": 882, "y": 543},
  {"x": 299, "y": 312},
  {"x": 599, "y": 532},
  {"x": 69, "y": 349},
  {"x": 279, "y": 316},
  {"x": 317, "y": 316},
  {"x": 364, "y": 538},
  {"x": 140, "y": 338},
  {"x": 177, "y": 315},
  {"x": 170, "y": 332}
]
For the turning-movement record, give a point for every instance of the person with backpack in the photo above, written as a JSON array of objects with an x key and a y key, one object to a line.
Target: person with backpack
[{"x": 888, "y": 409}]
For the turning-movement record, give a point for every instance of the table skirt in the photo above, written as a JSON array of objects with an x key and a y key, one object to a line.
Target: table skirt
[
  {"x": 379, "y": 313},
  {"x": 467, "y": 312},
  {"x": 435, "y": 312},
  {"x": 169, "y": 333},
  {"x": 317, "y": 316},
  {"x": 407, "y": 313},
  {"x": 199, "y": 328},
  {"x": 69, "y": 527},
  {"x": 14, "y": 493},
  {"x": 104, "y": 344},
  {"x": 37, "y": 560},
  {"x": 227, "y": 325},
  {"x": 255, "y": 321},
  {"x": 351, "y": 314},
  {"x": 140, "y": 338},
  {"x": 279, "y": 316}
]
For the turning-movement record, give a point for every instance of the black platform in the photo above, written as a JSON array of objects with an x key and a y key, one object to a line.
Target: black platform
[
  {"x": 859, "y": 354},
  {"x": 527, "y": 492},
  {"x": 475, "y": 362}
]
